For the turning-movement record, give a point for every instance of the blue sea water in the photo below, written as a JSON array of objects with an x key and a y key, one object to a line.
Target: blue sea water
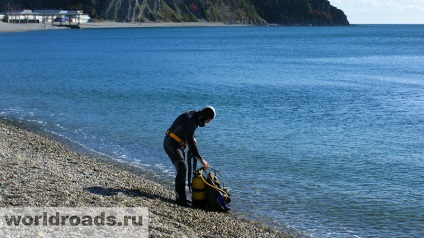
[{"x": 320, "y": 129}]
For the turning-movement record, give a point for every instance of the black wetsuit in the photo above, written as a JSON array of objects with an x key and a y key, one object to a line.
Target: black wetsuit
[{"x": 184, "y": 127}]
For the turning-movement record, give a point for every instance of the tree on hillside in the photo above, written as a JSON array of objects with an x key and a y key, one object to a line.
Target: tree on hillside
[
  {"x": 49, "y": 4},
  {"x": 7, "y": 5}
]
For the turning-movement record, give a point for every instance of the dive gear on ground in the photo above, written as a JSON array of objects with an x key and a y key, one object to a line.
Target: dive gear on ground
[{"x": 207, "y": 193}]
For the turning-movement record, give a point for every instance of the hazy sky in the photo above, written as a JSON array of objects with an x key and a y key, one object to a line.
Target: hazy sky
[{"x": 382, "y": 11}]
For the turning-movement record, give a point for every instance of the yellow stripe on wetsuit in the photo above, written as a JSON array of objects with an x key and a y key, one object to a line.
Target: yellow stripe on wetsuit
[{"x": 175, "y": 137}]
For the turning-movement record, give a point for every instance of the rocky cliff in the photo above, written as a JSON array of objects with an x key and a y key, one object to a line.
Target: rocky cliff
[{"x": 228, "y": 11}]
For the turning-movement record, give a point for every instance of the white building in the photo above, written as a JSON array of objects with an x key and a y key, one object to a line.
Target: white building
[{"x": 57, "y": 17}]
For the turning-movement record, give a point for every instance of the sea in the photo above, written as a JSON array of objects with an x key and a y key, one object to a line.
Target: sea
[{"x": 318, "y": 129}]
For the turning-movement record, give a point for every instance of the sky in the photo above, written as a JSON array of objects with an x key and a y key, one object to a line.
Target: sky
[{"x": 382, "y": 11}]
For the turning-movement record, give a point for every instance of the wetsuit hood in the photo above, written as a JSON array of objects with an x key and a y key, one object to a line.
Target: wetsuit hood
[
  {"x": 208, "y": 113},
  {"x": 205, "y": 114}
]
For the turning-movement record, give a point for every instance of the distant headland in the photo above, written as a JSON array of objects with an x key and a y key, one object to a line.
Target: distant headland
[{"x": 242, "y": 12}]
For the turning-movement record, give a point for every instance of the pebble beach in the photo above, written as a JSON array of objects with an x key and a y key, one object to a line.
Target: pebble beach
[{"x": 38, "y": 171}]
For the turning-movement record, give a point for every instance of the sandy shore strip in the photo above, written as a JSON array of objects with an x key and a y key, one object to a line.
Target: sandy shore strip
[
  {"x": 111, "y": 24},
  {"x": 19, "y": 27},
  {"x": 36, "y": 171}
]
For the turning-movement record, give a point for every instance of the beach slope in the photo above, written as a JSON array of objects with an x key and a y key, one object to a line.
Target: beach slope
[{"x": 40, "y": 172}]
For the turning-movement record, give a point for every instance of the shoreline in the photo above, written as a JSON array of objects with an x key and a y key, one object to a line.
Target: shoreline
[
  {"x": 40, "y": 172},
  {"x": 21, "y": 27}
]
